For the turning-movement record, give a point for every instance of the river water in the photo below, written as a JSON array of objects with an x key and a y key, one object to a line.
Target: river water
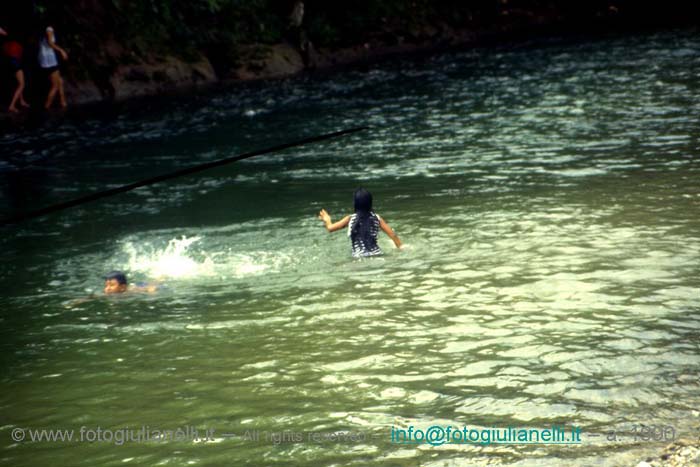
[{"x": 548, "y": 198}]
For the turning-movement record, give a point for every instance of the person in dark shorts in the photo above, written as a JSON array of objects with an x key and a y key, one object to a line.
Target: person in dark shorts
[
  {"x": 48, "y": 61},
  {"x": 12, "y": 52}
]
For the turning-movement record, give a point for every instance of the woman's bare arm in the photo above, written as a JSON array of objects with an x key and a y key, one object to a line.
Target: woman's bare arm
[
  {"x": 330, "y": 226},
  {"x": 387, "y": 230},
  {"x": 52, "y": 43}
]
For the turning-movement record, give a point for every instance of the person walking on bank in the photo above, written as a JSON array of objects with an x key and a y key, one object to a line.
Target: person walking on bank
[
  {"x": 297, "y": 33},
  {"x": 48, "y": 61},
  {"x": 12, "y": 51}
]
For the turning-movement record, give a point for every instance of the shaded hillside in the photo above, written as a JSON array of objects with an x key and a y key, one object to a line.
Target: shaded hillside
[{"x": 120, "y": 48}]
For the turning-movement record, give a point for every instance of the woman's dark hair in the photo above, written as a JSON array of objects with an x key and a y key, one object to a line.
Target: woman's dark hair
[
  {"x": 362, "y": 224},
  {"x": 363, "y": 200}
]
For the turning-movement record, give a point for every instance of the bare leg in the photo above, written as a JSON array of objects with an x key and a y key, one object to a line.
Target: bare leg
[
  {"x": 54, "y": 77},
  {"x": 61, "y": 95},
  {"x": 18, "y": 95},
  {"x": 22, "y": 102}
]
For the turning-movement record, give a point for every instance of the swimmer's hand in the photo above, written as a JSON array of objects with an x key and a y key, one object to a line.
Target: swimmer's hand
[
  {"x": 324, "y": 216},
  {"x": 330, "y": 226}
]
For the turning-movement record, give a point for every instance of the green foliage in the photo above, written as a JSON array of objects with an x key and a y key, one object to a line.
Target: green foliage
[
  {"x": 183, "y": 27},
  {"x": 180, "y": 26},
  {"x": 187, "y": 28},
  {"x": 323, "y": 32}
]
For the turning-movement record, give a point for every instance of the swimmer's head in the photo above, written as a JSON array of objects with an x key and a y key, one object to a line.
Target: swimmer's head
[
  {"x": 363, "y": 200},
  {"x": 115, "y": 282}
]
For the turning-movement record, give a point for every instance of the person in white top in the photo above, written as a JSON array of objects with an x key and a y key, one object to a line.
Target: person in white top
[{"x": 48, "y": 61}]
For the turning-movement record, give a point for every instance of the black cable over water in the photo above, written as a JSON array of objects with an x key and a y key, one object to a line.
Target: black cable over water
[{"x": 178, "y": 173}]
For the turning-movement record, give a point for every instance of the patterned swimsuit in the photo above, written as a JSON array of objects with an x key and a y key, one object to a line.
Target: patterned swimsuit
[{"x": 360, "y": 248}]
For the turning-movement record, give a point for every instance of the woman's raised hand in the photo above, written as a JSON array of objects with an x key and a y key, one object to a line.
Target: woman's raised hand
[{"x": 324, "y": 216}]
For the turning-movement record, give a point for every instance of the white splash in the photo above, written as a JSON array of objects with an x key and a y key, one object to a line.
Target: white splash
[
  {"x": 175, "y": 261},
  {"x": 192, "y": 257}
]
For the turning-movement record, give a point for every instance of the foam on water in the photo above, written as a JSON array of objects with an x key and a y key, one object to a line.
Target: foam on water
[
  {"x": 172, "y": 261},
  {"x": 197, "y": 257}
]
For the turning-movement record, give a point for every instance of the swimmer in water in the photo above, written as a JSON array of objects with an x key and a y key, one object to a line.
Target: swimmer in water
[
  {"x": 115, "y": 282},
  {"x": 363, "y": 226}
]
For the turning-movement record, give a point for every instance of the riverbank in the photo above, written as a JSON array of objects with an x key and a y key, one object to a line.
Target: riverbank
[
  {"x": 164, "y": 74},
  {"x": 116, "y": 70},
  {"x": 158, "y": 75}
]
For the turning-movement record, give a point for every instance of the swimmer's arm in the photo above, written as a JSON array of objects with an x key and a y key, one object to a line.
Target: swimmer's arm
[
  {"x": 387, "y": 230},
  {"x": 148, "y": 288},
  {"x": 78, "y": 301},
  {"x": 330, "y": 226}
]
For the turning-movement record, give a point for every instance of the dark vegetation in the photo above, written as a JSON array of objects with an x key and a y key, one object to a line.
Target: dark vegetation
[{"x": 103, "y": 34}]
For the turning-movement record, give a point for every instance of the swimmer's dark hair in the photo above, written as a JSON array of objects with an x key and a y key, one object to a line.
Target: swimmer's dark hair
[
  {"x": 118, "y": 275},
  {"x": 363, "y": 210},
  {"x": 363, "y": 200}
]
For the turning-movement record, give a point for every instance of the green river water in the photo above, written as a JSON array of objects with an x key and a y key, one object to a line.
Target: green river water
[{"x": 549, "y": 201}]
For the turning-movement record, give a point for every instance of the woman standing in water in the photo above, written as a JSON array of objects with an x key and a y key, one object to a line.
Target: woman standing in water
[
  {"x": 49, "y": 64},
  {"x": 363, "y": 226}
]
